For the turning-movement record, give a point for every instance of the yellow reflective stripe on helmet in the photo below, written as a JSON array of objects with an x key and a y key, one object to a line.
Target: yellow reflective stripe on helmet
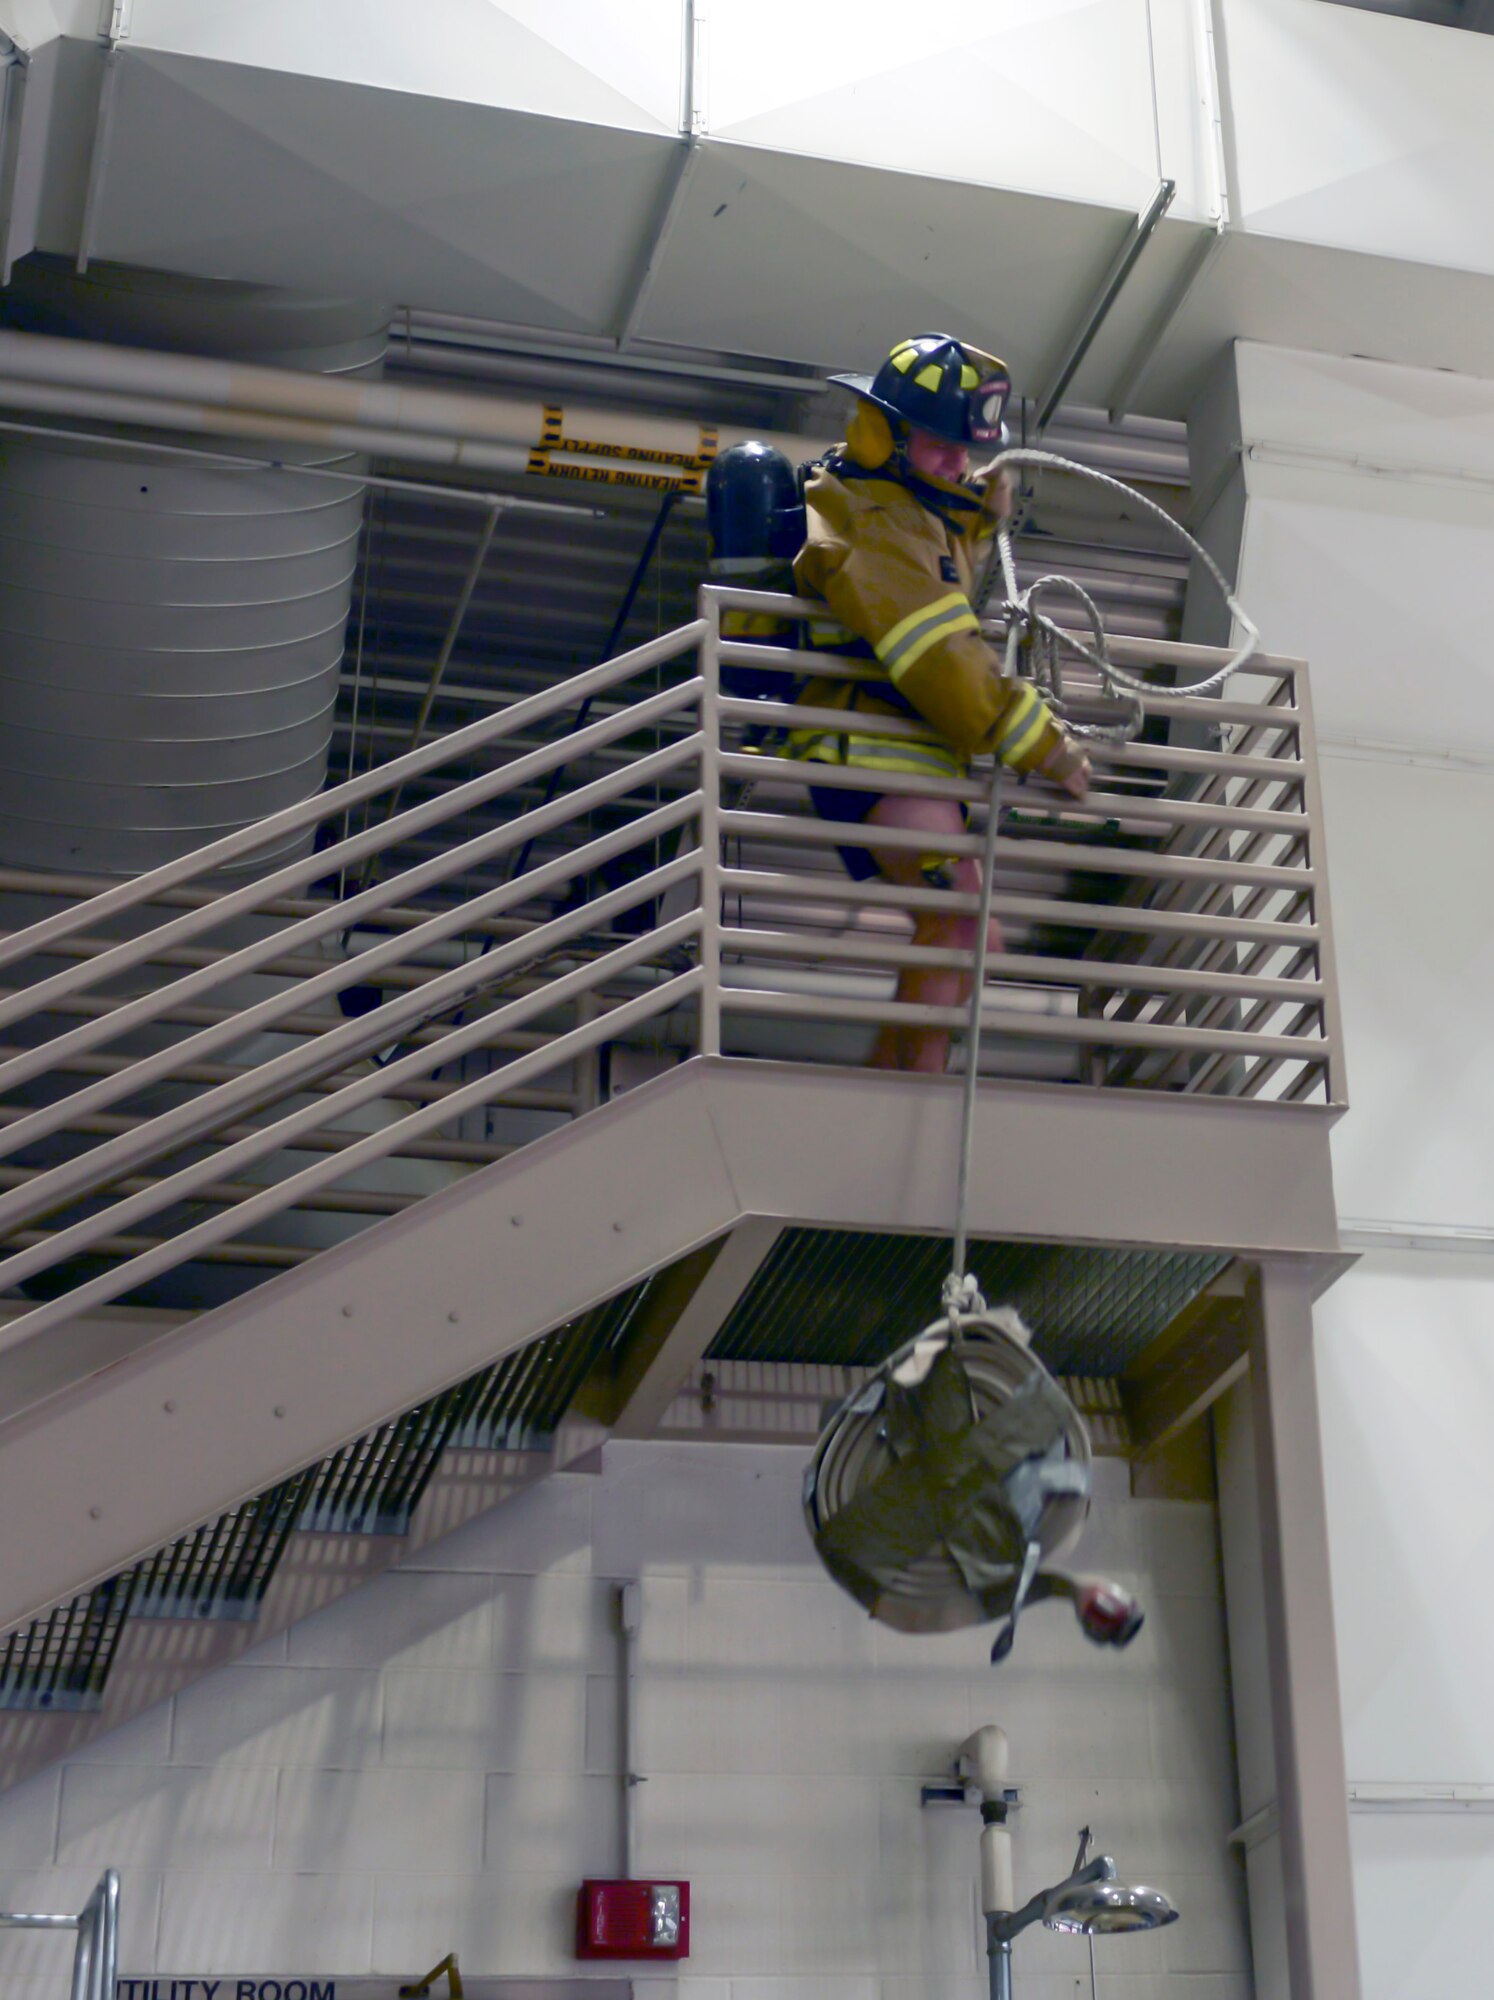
[
  {"x": 902, "y": 358},
  {"x": 969, "y": 378},
  {"x": 912, "y": 636},
  {"x": 1029, "y": 717},
  {"x": 929, "y": 377}
]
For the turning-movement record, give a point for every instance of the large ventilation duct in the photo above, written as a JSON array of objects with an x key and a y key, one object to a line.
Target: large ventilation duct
[{"x": 170, "y": 632}]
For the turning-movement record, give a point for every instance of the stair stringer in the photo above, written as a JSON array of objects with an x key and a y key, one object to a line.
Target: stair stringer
[{"x": 190, "y": 1424}]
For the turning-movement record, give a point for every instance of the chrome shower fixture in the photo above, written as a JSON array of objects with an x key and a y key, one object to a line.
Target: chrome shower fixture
[{"x": 1090, "y": 1901}]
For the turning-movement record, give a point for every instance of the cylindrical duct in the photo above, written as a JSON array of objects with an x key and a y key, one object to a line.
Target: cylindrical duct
[{"x": 170, "y": 632}]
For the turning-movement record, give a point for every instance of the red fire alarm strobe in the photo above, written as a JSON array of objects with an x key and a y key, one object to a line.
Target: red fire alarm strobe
[{"x": 633, "y": 1920}]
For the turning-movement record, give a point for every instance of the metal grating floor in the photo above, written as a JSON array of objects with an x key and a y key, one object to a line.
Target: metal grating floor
[{"x": 828, "y": 1296}]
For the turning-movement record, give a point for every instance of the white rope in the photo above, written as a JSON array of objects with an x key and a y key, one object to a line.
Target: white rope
[
  {"x": 961, "y": 1292},
  {"x": 1026, "y": 622}
]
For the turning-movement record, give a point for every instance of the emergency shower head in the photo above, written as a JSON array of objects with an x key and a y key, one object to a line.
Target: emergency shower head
[{"x": 1098, "y": 1909}]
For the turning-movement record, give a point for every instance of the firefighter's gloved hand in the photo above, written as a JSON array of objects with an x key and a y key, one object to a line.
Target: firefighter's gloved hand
[
  {"x": 1067, "y": 764},
  {"x": 1108, "y": 1615},
  {"x": 998, "y": 493}
]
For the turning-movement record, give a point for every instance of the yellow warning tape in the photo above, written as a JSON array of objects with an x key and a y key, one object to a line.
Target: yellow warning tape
[
  {"x": 612, "y": 475},
  {"x": 688, "y": 469},
  {"x": 550, "y": 431}
]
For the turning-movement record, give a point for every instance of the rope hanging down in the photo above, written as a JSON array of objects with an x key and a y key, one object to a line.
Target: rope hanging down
[{"x": 1025, "y": 623}]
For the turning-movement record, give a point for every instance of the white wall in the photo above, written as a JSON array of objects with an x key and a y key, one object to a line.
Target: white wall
[
  {"x": 1359, "y": 129},
  {"x": 427, "y": 1764},
  {"x": 1368, "y": 541}
]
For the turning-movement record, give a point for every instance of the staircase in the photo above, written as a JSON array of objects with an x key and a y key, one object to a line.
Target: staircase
[{"x": 390, "y": 1150}]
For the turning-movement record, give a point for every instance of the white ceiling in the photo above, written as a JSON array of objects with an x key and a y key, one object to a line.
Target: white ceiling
[{"x": 409, "y": 184}]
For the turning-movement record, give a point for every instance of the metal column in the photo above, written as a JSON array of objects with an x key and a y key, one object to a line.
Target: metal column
[{"x": 1307, "y": 1719}]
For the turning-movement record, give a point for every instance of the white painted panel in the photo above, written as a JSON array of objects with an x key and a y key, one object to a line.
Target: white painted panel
[
  {"x": 1425, "y": 1888},
  {"x": 1371, "y": 413},
  {"x": 1381, "y": 584},
  {"x": 376, "y": 193},
  {"x": 1053, "y": 96},
  {"x": 817, "y": 259},
  {"x": 585, "y": 59},
  {"x": 1406, "y": 1368},
  {"x": 1355, "y": 128},
  {"x": 1408, "y": 869}
]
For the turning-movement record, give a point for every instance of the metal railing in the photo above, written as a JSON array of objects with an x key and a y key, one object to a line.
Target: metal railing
[
  {"x": 1169, "y": 933},
  {"x": 96, "y": 1954}
]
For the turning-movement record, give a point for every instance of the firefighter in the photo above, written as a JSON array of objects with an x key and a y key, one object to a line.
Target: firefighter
[{"x": 895, "y": 528}]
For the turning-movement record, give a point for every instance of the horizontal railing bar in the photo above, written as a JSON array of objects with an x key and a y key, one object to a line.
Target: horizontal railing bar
[
  {"x": 401, "y": 977},
  {"x": 384, "y": 777},
  {"x": 830, "y": 667},
  {"x": 1306, "y": 1022},
  {"x": 1086, "y": 1029},
  {"x": 348, "y": 1202},
  {"x": 320, "y": 1139},
  {"x": 271, "y": 1256},
  {"x": 186, "y": 1122},
  {"x": 797, "y": 663},
  {"x": 90, "y": 1009},
  {"x": 1078, "y": 916},
  {"x": 758, "y": 945},
  {"x": 1223, "y": 763},
  {"x": 123, "y": 1016},
  {"x": 791, "y": 828},
  {"x": 32, "y": 882},
  {"x": 367, "y": 1031},
  {"x": 532, "y": 1100},
  {"x": 1166, "y": 652},
  {"x": 190, "y": 1245},
  {"x": 347, "y": 914},
  {"x": 1097, "y": 807}
]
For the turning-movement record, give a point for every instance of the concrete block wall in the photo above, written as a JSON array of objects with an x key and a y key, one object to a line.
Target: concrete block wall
[{"x": 430, "y": 1764}]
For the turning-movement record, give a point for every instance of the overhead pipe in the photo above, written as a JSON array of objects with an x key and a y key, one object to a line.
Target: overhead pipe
[{"x": 91, "y": 380}]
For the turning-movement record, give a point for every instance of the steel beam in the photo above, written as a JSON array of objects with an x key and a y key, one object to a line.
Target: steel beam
[
  {"x": 125, "y": 1457},
  {"x": 681, "y": 1320},
  {"x": 1189, "y": 1365},
  {"x": 1306, "y": 1711}
]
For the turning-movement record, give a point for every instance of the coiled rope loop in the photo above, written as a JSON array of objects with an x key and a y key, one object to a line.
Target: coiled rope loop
[{"x": 1046, "y": 640}]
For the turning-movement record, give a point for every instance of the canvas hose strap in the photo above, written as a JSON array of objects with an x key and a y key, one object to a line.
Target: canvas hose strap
[{"x": 974, "y": 1489}]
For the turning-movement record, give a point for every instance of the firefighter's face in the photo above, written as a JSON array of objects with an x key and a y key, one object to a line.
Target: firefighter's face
[{"x": 934, "y": 458}]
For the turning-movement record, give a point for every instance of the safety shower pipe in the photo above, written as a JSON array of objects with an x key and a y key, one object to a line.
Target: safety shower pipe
[
  {"x": 94, "y": 381},
  {"x": 96, "y": 1954},
  {"x": 629, "y": 1620}
]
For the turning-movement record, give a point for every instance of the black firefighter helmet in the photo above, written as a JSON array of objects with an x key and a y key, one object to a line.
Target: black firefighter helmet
[{"x": 942, "y": 386}]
